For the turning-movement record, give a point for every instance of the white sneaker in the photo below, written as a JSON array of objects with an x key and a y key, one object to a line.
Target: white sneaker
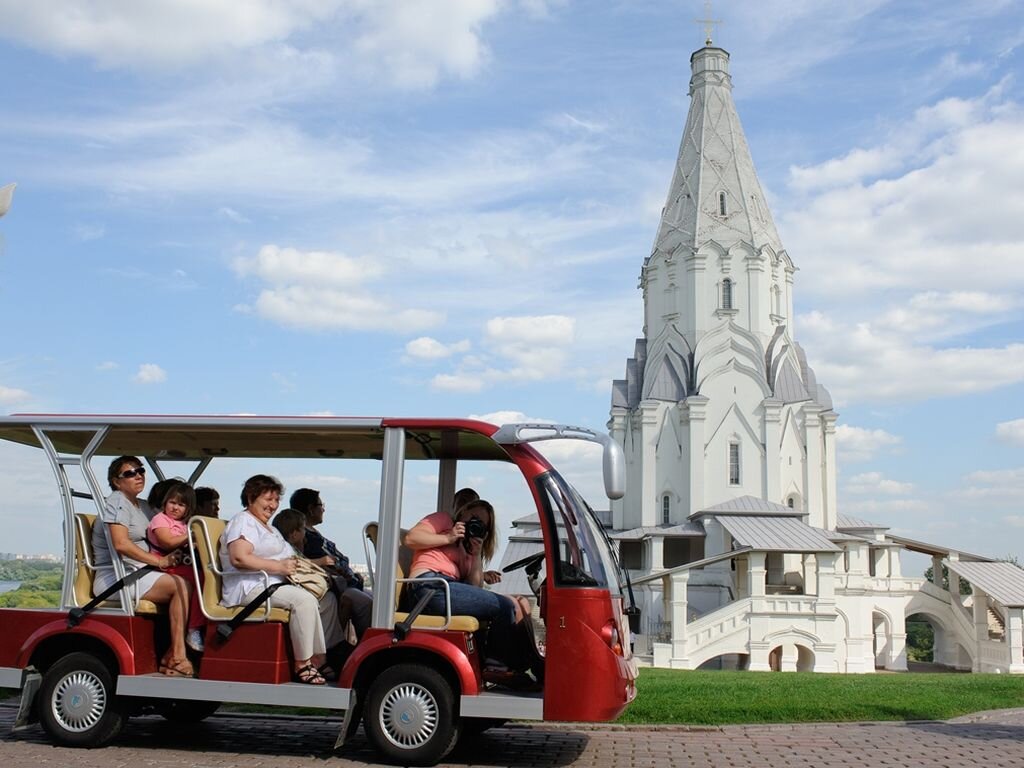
[{"x": 194, "y": 640}]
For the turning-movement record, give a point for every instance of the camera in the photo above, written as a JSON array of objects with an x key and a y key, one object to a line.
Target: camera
[{"x": 475, "y": 529}]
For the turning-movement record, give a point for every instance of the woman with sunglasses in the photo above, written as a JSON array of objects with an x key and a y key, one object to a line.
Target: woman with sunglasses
[{"x": 125, "y": 519}]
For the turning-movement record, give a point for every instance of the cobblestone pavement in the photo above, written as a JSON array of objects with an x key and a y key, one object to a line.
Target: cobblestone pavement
[{"x": 250, "y": 741}]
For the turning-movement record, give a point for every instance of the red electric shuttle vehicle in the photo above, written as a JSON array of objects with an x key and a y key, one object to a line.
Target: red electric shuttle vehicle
[{"x": 415, "y": 682}]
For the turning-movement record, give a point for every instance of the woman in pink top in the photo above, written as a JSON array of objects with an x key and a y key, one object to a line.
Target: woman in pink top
[
  {"x": 446, "y": 548},
  {"x": 168, "y": 532}
]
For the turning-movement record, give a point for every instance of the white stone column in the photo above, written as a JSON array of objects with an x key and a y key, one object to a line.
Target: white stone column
[
  {"x": 789, "y": 657},
  {"x": 696, "y": 318},
  {"x": 1015, "y": 639},
  {"x": 980, "y": 625},
  {"x": 695, "y": 414},
  {"x": 758, "y": 298},
  {"x": 773, "y": 449},
  {"x": 826, "y": 577},
  {"x": 813, "y": 467},
  {"x": 650, "y": 410},
  {"x": 680, "y": 581},
  {"x": 657, "y": 550},
  {"x": 790, "y": 317},
  {"x": 756, "y": 574},
  {"x": 830, "y": 509},
  {"x": 937, "y": 571}
]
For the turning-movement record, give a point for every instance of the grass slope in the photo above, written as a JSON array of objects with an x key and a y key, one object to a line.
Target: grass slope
[{"x": 720, "y": 698}]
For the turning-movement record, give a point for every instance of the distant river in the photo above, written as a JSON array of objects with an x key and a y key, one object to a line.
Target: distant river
[{"x": 7, "y": 586}]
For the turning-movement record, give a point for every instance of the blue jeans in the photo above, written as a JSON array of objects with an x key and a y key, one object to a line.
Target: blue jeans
[{"x": 467, "y": 600}]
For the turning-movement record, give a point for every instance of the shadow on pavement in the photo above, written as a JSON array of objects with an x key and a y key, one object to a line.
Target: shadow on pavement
[{"x": 314, "y": 738}]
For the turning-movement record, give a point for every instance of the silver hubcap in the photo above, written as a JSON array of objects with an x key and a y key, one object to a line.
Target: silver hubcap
[
  {"x": 409, "y": 715},
  {"x": 79, "y": 701}
]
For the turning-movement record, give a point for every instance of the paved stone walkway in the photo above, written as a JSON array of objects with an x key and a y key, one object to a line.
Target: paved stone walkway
[{"x": 992, "y": 740}]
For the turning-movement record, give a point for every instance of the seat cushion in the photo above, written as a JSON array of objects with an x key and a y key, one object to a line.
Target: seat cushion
[{"x": 458, "y": 623}]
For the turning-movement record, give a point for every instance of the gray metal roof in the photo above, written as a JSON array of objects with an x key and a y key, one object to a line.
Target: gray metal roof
[
  {"x": 788, "y": 386},
  {"x": 935, "y": 550},
  {"x": 839, "y": 536},
  {"x": 686, "y": 530},
  {"x": 779, "y": 534},
  {"x": 1003, "y": 582},
  {"x": 749, "y": 505},
  {"x": 855, "y": 523}
]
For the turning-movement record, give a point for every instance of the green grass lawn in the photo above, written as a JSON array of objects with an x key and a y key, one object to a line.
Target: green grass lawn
[{"x": 720, "y": 698}]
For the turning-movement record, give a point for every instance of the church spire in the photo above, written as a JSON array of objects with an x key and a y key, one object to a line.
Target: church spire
[{"x": 714, "y": 194}]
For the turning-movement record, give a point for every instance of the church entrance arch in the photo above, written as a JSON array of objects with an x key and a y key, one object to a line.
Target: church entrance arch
[{"x": 791, "y": 657}]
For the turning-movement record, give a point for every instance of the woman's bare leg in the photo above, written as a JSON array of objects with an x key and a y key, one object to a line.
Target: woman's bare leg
[{"x": 174, "y": 592}]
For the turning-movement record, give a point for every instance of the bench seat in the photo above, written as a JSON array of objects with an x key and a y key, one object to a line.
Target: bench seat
[{"x": 85, "y": 571}]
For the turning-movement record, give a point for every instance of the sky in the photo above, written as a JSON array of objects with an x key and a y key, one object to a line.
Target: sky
[{"x": 389, "y": 207}]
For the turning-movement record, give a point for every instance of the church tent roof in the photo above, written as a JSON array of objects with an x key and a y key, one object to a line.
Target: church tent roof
[
  {"x": 749, "y": 505},
  {"x": 777, "y": 534},
  {"x": 1004, "y": 582}
]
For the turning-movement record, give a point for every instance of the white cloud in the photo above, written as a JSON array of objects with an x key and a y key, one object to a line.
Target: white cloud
[
  {"x": 88, "y": 232},
  {"x": 1011, "y": 431},
  {"x": 537, "y": 346},
  {"x": 857, "y": 444},
  {"x": 150, "y": 373},
  {"x": 410, "y": 44},
  {"x": 232, "y": 215},
  {"x": 426, "y": 348},
  {"x": 107, "y": 365},
  {"x": 1017, "y": 521},
  {"x": 864, "y": 363},
  {"x": 319, "y": 290},
  {"x": 876, "y": 483},
  {"x": 994, "y": 488},
  {"x": 12, "y": 395},
  {"x": 457, "y": 382},
  {"x": 157, "y": 33}
]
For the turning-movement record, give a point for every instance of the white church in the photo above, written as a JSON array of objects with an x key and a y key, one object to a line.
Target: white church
[{"x": 740, "y": 555}]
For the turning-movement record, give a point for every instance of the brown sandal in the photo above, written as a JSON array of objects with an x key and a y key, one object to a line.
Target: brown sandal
[{"x": 177, "y": 668}]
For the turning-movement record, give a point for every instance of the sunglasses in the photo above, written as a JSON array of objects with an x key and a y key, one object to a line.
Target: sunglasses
[{"x": 129, "y": 473}]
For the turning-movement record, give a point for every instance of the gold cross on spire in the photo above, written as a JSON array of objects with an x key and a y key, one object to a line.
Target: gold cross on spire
[{"x": 708, "y": 22}]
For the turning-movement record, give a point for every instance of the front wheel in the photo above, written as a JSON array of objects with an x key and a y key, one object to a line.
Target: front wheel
[
  {"x": 410, "y": 715},
  {"x": 77, "y": 705}
]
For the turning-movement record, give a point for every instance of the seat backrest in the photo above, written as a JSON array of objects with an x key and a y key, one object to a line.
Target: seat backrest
[
  {"x": 404, "y": 557},
  {"x": 84, "y": 568},
  {"x": 204, "y": 540}
]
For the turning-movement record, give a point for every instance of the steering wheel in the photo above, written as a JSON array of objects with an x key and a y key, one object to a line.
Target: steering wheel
[{"x": 530, "y": 562}]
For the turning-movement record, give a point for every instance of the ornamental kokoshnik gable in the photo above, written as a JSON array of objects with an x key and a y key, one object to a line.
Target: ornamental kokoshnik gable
[{"x": 730, "y": 525}]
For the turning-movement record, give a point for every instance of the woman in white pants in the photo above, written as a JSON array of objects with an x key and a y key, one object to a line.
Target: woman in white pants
[{"x": 249, "y": 545}]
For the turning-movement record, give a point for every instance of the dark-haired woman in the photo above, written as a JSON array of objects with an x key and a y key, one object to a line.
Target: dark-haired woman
[
  {"x": 251, "y": 545},
  {"x": 124, "y": 521}
]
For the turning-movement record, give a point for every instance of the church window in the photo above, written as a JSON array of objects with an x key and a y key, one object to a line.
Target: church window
[
  {"x": 666, "y": 509},
  {"x": 727, "y": 293},
  {"x": 791, "y": 503},
  {"x": 734, "y": 463},
  {"x": 722, "y": 210}
]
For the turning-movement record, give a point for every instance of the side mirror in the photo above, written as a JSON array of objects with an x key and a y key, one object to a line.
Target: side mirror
[{"x": 614, "y": 465}]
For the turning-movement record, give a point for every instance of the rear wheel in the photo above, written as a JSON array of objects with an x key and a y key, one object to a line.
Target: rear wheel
[
  {"x": 76, "y": 701},
  {"x": 410, "y": 715}
]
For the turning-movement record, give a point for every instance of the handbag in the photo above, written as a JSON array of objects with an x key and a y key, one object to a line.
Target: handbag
[{"x": 310, "y": 576}]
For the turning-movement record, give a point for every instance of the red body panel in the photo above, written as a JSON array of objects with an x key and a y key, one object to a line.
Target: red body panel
[
  {"x": 130, "y": 638},
  {"x": 453, "y": 647},
  {"x": 584, "y": 678},
  {"x": 257, "y": 652}
]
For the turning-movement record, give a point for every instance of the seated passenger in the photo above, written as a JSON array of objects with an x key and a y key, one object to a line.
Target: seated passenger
[
  {"x": 354, "y": 604},
  {"x": 250, "y": 545},
  {"x": 126, "y": 517},
  {"x": 443, "y": 549},
  {"x": 207, "y": 502},
  {"x": 168, "y": 532},
  {"x": 291, "y": 524}
]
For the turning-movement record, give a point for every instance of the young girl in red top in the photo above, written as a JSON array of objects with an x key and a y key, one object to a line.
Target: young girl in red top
[{"x": 167, "y": 532}]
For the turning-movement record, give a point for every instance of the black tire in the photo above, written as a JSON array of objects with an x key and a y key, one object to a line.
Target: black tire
[
  {"x": 180, "y": 711},
  {"x": 76, "y": 702},
  {"x": 410, "y": 716}
]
